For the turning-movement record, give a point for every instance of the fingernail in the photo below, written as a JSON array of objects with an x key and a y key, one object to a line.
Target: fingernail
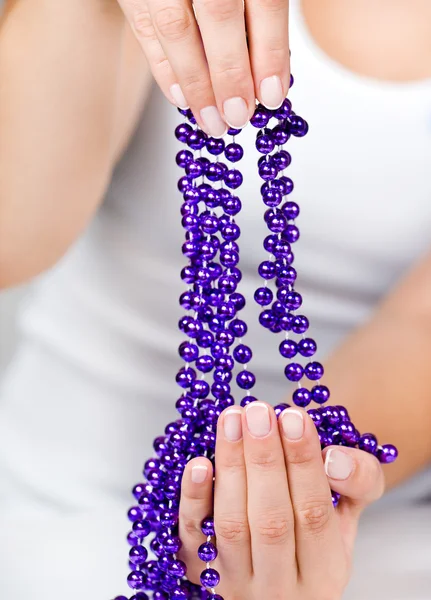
[
  {"x": 258, "y": 421},
  {"x": 199, "y": 473},
  {"x": 178, "y": 96},
  {"x": 292, "y": 423},
  {"x": 213, "y": 122},
  {"x": 271, "y": 92},
  {"x": 232, "y": 425},
  {"x": 236, "y": 112},
  {"x": 338, "y": 464}
]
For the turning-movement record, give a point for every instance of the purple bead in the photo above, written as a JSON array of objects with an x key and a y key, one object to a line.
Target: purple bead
[
  {"x": 290, "y": 210},
  {"x": 343, "y": 413},
  {"x": 272, "y": 198},
  {"x": 267, "y": 269},
  {"x": 316, "y": 416},
  {"x": 245, "y": 380},
  {"x": 134, "y": 514},
  {"x": 238, "y": 300},
  {"x": 301, "y": 397},
  {"x": 160, "y": 595},
  {"x": 387, "y": 453},
  {"x": 300, "y": 324},
  {"x": 182, "y": 131},
  {"x": 232, "y": 205},
  {"x": 207, "y": 552},
  {"x": 242, "y": 354},
  {"x": 368, "y": 443},
  {"x": 294, "y": 371},
  {"x": 195, "y": 169},
  {"x": 210, "y": 578},
  {"x": 277, "y": 223},
  {"x": 314, "y": 371},
  {"x": 140, "y": 596},
  {"x": 207, "y": 526},
  {"x": 307, "y": 347},
  {"x": 280, "y": 135},
  {"x": 282, "y": 159},
  {"x": 185, "y": 377},
  {"x": 284, "y": 111},
  {"x": 169, "y": 517},
  {"x": 261, "y": 117},
  {"x": 215, "y": 146},
  {"x": 288, "y": 348},
  {"x": 179, "y": 593},
  {"x": 188, "y": 351},
  {"x": 171, "y": 544},
  {"x": 233, "y": 179},
  {"x": 247, "y": 400},
  {"x": 233, "y": 131},
  {"x": 238, "y": 328},
  {"x": 216, "y": 171},
  {"x": 291, "y": 234},
  {"x": 231, "y": 231},
  {"x": 199, "y": 389},
  {"x": 291, "y": 300},
  {"x": 136, "y": 580},
  {"x": 205, "y": 339},
  {"x": 177, "y": 568},
  {"x": 183, "y": 158},
  {"x": 138, "y": 555},
  {"x": 320, "y": 394},
  {"x": 233, "y": 152},
  {"x": 184, "y": 183},
  {"x": 347, "y": 430},
  {"x": 298, "y": 126},
  {"x": 196, "y": 139},
  {"x": 264, "y": 143},
  {"x": 335, "y": 498},
  {"x": 263, "y": 296},
  {"x": 287, "y": 184}
]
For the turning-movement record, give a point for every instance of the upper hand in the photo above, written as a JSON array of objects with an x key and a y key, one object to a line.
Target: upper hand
[
  {"x": 278, "y": 535},
  {"x": 201, "y": 57}
]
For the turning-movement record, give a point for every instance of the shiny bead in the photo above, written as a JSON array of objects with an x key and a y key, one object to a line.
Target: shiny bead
[
  {"x": 307, "y": 347},
  {"x": 368, "y": 443},
  {"x": 301, "y": 397},
  {"x": 314, "y": 371},
  {"x": 195, "y": 169},
  {"x": 138, "y": 555},
  {"x": 222, "y": 375},
  {"x": 335, "y": 498},
  {"x": 280, "y": 135},
  {"x": 232, "y": 205},
  {"x": 245, "y": 380},
  {"x": 233, "y": 179},
  {"x": 277, "y": 223},
  {"x": 282, "y": 159},
  {"x": 267, "y": 171},
  {"x": 184, "y": 183},
  {"x": 290, "y": 210},
  {"x": 238, "y": 300},
  {"x": 233, "y": 131},
  {"x": 207, "y": 526},
  {"x": 277, "y": 309},
  {"x": 171, "y": 544},
  {"x": 284, "y": 111},
  {"x": 387, "y": 453},
  {"x": 247, "y": 400},
  {"x": 216, "y": 171},
  {"x": 231, "y": 231},
  {"x": 134, "y": 514},
  {"x": 261, "y": 117},
  {"x": 210, "y": 578},
  {"x": 291, "y": 234},
  {"x": 294, "y": 372},
  {"x": 343, "y": 412},
  {"x": 183, "y": 158},
  {"x": 196, "y": 139},
  {"x": 288, "y": 348},
  {"x": 347, "y": 430},
  {"x": 272, "y": 197},
  {"x": 233, "y": 152},
  {"x": 199, "y": 389},
  {"x": 300, "y": 324},
  {"x": 215, "y": 146},
  {"x": 242, "y": 354},
  {"x": 136, "y": 580},
  {"x": 320, "y": 394},
  {"x": 298, "y": 126},
  {"x": 287, "y": 185},
  {"x": 267, "y": 269},
  {"x": 204, "y": 363},
  {"x": 263, "y": 296},
  {"x": 177, "y": 568},
  {"x": 238, "y": 328},
  {"x": 266, "y": 319},
  {"x": 316, "y": 416},
  {"x": 205, "y": 339},
  {"x": 207, "y": 552},
  {"x": 264, "y": 143},
  {"x": 188, "y": 351},
  {"x": 225, "y": 362},
  {"x": 182, "y": 131}
]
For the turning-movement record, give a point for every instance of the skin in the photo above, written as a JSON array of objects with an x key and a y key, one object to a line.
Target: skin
[{"x": 59, "y": 143}]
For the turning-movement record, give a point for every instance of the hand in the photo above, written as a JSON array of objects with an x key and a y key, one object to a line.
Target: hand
[
  {"x": 277, "y": 533},
  {"x": 201, "y": 57}
]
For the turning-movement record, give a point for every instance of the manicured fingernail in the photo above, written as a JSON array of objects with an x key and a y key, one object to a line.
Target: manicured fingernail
[
  {"x": 178, "y": 96},
  {"x": 213, "y": 122},
  {"x": 258, "y": 421},
  {"x": 232, "y": 425},
  {"x": 292, "y": 423},
  {"x": 338, "y": 464},
  {"x": 236, "y": 112},
  {"x": 271, "y": 92},
  {"x": 199, "y": 473}
]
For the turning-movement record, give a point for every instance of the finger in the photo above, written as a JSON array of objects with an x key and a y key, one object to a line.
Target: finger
[
  {"x": 195, "y": 504},
  {"x": 230, "y": 500},
  {"x": 268, "y": 34},
  {"x": 316, "y": 528},
  {"x": 143, "y": 28},
  {"x": 228, "y": 61},
  {"x": 270, "y": 512},
  {"x": 176, "y": 28},
  {"x": 355, "y": 474}
]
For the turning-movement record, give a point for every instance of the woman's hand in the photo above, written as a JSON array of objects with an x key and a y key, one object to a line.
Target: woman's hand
[
  {"x": 201, "y": 57},
  {"x": 278, "y": 535}
]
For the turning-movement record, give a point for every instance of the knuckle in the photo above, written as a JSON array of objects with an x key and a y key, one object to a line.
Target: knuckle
[
  {"x": 234, "y": 461},
  {"x": 314, "y": 516},
  {"x": 264, "y": 460},
  {"x": 172, "y": 22},
  {"x": 231, "y": 530},
  {"x": 221, "y": 10},
  {"x": 189, "y": 525},
  {"x": 274, "y": 528},
  {"x": 143, "y": 24},
  {"x": 300, "y": 455},
  {"x": 231, "y": 70},
  {"x": 195, "y": 86}
]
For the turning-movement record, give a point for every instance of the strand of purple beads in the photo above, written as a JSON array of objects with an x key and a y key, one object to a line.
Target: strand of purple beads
[{"x": 214, "y": 346}]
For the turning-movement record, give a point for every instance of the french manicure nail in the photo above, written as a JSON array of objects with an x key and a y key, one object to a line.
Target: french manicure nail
[
  {"x": 271, "y": 92},
  {"x": 338, "y": 464},
  {"x": 292, "y": 423},
  {"x": 258, "y": 420},
  {"x": 213, "y": 122},
  {"x": 199, "y": 473},
  {"x": 232, "y": 425},
  {"x": 236, "y": 112},
  {"x": 178, "y": 96}
]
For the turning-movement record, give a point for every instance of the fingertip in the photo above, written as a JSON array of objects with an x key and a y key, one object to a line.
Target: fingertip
[{"x": 199, "y": 470}]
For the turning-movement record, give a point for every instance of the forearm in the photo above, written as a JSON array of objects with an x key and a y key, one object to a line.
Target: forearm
[
  {"x": 382, "y": 373},
  {"x": 60, "y": 72}
]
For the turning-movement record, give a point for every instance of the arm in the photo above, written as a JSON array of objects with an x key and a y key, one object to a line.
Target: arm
[
  {"x": 382, "y": 373},
  {"x": 72, "y": 84}
]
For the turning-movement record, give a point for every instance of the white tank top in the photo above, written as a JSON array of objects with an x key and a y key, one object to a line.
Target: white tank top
[{"x": 94, "y": 379}]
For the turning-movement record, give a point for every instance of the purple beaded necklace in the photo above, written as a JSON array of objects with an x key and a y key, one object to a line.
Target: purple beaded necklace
[{"x": 214, "y": 345}]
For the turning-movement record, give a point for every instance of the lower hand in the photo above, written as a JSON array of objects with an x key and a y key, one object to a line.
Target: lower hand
[
  {"x": 278, "y": 535},
  {"x": 201, "y": 57}
]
